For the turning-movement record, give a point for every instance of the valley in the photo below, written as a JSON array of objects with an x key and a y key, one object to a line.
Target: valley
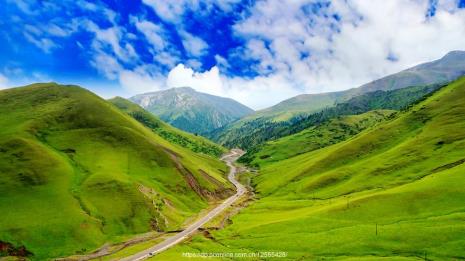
[
  {"x": 173, "y": 130},
  {"x": 107, "y": 179},
  {"x": 393, "y": 191}
]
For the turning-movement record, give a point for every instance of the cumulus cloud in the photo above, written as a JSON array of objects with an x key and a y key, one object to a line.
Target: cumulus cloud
[
  {"x": 296, "y": 48},
  {"x": 255, "y": 92},
  {"x": 208, "y": 81},
  {"x": 346, "y": 44},
  {"x": 301, "y": 49}
]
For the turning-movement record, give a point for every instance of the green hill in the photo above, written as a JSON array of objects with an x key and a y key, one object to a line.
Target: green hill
[
  {"x": 441, "y": 71},
  {"x": 192, "y": 142},
  {"x": 330, "y": 132},
  {"x": 391, "y": 192},
  {"x": 250, "y": 134},
  {"x": 76, "y": 172}
]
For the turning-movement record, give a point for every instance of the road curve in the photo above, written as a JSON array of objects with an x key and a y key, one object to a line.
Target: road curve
[{"x": 229, "y": 158}]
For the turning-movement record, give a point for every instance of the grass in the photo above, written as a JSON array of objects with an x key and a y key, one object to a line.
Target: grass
[
  {"x": 130, "y": 250},
  {"x": 252, "y": 132},
  {"x": 391, "y": 192},
  {"x": 190, "y": 141},
  {"x": 76, "y": 172},
  {"x": 316, "y": 137}
]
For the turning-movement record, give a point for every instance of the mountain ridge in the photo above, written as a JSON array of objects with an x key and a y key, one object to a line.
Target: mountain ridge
[
  {"x": 447, "y": 68},
  {"x": 441, "y": 71},
  {"x": 190, "y": 110}
]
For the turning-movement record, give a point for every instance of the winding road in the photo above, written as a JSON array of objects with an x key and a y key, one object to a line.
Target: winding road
[{"x": 229, "y": 159}]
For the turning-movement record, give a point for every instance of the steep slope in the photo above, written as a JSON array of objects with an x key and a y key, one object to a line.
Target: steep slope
[
  {"x": 192, "y": 142},
  {"x": 330, "y": 132},
  {"x": 254, "y": 133},
  {"x": 444, "y": 70},
  {"x": 392, "y": 192},
  {"x": 190, "y": 110},
  {"x": 75, "y": 172}
]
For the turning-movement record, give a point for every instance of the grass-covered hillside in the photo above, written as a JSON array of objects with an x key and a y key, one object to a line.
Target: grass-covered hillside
[
  {"x": 248, "y": 134},
  {"x": 76, "y": 172},
  {"x": 392, "y": 192},
  {"x": 193, "y": 142},
  {"x": 330, "y": 132}
]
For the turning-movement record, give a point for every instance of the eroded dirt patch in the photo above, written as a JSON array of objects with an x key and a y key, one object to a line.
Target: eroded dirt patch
[{"x": 8, "y": 249}]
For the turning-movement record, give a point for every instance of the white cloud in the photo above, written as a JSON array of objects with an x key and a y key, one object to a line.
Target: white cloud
[
  {"x": 301, "y": 52},
  {"x": 106, "y": 64},
  {"x": 194, "y": 45},
  {"x": 166, "y": 58},
  {"x": 111, "y": 37},
  {"x": 173, "y": 11},
  {"x": 295, "y": 48},
  {"x": 141, "y": 80},
  {"x": 221, "y": 62},
  {"x": 4, "y": 82},
  {"x": 257, "y": 93},
  {"x": 170, "y": 11},
  {"x": 26, "y": 7},
  {"x": 35, "y": 35},
  {"x": 42, "y": 43},
  {"x": 154, "y": 33},
  {"x": 159, "y": 44},
  {"x": 208, "y": 81},
  {"x": 306, "y": 49}
]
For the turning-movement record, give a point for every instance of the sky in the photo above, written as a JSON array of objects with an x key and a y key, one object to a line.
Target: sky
[{"x": 258, "y": 52}]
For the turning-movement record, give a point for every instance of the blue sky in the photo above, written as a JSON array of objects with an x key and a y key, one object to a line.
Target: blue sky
[{"x": 258, "y": 52}]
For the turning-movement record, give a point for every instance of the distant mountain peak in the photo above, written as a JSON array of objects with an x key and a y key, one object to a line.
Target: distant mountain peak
[
  {"x": 190, "y": 110},
  {"x": 183, "y": 88},
  {"x": 455, "y": 53}
]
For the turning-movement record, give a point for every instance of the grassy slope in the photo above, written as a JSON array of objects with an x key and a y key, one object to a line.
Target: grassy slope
[
  {"x": 73, "y": 169},
  {"x": 300, "y": 104},
  {"x": 316, "y": 137},
  {"x": 248, "y": 134},
  {"x": 395, "y": 191},
  {"x": 192, "y": 142}
]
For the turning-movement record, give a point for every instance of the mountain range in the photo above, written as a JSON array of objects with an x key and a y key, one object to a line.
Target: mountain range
[
  {"x": 441, "y": 71},
  {"x": 190, "y": 110}
]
